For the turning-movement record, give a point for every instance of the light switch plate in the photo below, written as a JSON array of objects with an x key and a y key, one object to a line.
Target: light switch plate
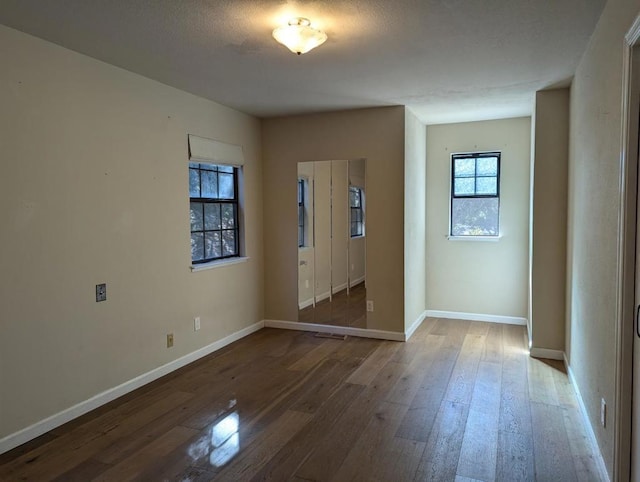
[{"x": 101, "y": 292}]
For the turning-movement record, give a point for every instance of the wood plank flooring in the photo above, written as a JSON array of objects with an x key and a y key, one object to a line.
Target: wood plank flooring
[{"x": 461, "y": 401}]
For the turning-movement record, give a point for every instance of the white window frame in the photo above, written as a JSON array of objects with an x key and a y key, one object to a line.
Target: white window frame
[
  {"x": 204, "y": 150},
  {"x": 481, "y": 238}
]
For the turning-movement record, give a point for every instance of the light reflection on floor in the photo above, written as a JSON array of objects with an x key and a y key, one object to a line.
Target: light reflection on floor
[
  {"x": 225, "y": 440},
  {"x": 222, "y": 443},
  {"x": 225, "y": 452}
]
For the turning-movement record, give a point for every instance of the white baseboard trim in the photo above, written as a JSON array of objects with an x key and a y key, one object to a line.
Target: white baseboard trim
[
  {"x": 339, "y": 288},
  {"x": 322, "y": 296},
  {"x": 546, "y": 353},
  {"x": 43, "y": 426},
  {"x": 337, "y": 330},
  {"x": 507, "y": 320},
  {"x": 302, "y": 305},
  {"x": 587, "y": 422},
  {"x": 415, "y": 325},
  {"x": 357, "y": 281}
]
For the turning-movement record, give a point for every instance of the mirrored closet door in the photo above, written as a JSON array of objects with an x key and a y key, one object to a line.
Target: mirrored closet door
[{"x": 331, "y": 243}]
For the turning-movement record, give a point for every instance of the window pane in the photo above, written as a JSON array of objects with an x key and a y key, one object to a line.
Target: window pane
[
  {"x": 197, "y": 246},
  {"x": 464, "y": 186},
  {"x": 196, "y": 216},
  {"x": 464, "y": 167},
  {"x": 300, "y": 192},
  {"x": 356, "y": 228},
  {"x": 209, "y": 184},
  {"x": 356, "y": 215},
  {"x": 474, "y": 217},
  {"x": 226, "y": 186},
  {"x": 228, "y": 243},
  {"x": 211, "y": 216},
  {"x": 300, "y": 215},
  {"x": 487, "y": 166},
  {"x": 225, "y": 169},
  {"x": 213, "y": 247},
  {"x": 487, "y": 185},
  {"x": 194, "y": 165},
  {"x": 354, "y": 197},
  {"x": 194, "y": 183},
  {"x": 228, "y": 216}
]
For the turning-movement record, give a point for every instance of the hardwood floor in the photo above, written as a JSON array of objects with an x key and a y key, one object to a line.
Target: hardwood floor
[{"x": 461, "y": 401}]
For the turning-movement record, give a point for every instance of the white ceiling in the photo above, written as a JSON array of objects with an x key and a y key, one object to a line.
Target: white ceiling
[{"x": 448, "y": 60}]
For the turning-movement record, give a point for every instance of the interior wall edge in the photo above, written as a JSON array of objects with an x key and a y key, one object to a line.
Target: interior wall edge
[
  {"x": 415, "y": 325},
  {"x": 16, "y": 439}
]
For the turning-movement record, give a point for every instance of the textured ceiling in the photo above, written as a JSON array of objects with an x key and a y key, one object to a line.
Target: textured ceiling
[{"x": 448, "y": 60}]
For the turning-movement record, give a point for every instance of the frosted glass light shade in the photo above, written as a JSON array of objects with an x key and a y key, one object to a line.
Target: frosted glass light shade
[{"x": 299, "y": 36}]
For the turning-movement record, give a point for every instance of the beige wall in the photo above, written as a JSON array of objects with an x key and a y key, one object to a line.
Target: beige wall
[
  {"x": 415, "y": 165},
  {"x": 549, "y": 219},
  {"x": 374, "y": 134},
  {"x": 94, "y": 188},
  {"x": 594, "y": 171},
  {"x": 482, "y": 277}
]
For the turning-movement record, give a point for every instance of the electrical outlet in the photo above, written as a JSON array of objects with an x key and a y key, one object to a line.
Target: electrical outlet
[
  {"x": 369, "y": 305},
  {"x": 169, "y": 340},
  {"x": 196, "y": 323},
  {"x": 101, "y": 292},
  {"x": 306, "y": 283},
  {"x": 603, "y": 412}
]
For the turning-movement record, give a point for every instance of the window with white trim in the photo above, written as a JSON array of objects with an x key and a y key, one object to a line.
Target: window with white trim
[
  {"x": 301, "y": 213},
  {"x": 213, "y": 198},
  {"x": 475, "y": 194},
  {"x": 356, "y": 209}
]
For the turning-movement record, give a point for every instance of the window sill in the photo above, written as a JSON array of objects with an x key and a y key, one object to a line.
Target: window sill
[
  {"x": 358, "y": 237},
  {"x": 490, "y": 239},
  {"x": 219, "y": 263}
]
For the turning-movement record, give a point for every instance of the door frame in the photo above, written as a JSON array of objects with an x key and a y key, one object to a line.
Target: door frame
[{"x": 626, "y": 255}]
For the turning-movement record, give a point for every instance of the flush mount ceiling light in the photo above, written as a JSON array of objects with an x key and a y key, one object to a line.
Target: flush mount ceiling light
[{"x": 299, "y": 36}]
